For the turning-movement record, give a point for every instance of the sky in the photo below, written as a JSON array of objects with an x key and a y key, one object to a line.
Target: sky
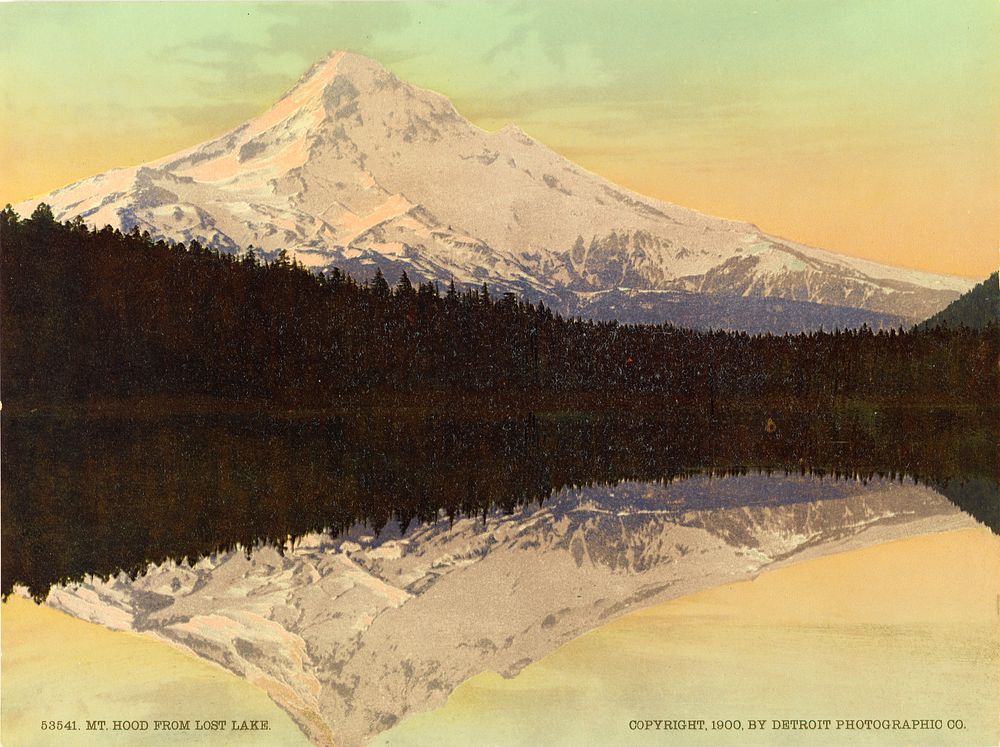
[{"x": 868, "y": 128}]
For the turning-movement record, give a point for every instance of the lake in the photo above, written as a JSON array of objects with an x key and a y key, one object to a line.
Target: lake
[{"x": 367, "y": 572}]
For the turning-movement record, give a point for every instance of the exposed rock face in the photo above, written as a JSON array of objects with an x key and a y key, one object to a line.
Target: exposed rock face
[
  {"x": 351, "y": 634},
  {"x": 355, "y": 168}
]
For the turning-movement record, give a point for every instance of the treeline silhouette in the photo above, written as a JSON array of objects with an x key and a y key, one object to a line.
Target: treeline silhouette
[
  {"x": 104, "y": 494},
  {"x": 97, "y": 315}
]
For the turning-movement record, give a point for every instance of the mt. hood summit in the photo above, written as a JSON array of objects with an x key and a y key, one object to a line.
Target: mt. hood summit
[{"x": 356, "y": 169}]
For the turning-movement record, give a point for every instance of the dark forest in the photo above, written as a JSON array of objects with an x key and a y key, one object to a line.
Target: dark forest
[{"x": 96, "y": 317}]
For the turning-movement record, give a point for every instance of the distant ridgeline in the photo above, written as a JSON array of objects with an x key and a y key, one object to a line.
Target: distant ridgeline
[
  {"x": 978, "y": 309},
  {"x": 92, "y": 317}
]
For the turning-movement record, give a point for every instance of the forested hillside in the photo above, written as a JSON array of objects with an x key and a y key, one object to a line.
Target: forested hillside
[
  {"x": 99, "y": 315},
  {"x": 979, "y": 308}
]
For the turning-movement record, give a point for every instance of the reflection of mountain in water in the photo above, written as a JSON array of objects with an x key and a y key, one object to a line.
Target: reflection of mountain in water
[
  {"x": 99, "y": 495},
  {"x": 351, "y": 634}
]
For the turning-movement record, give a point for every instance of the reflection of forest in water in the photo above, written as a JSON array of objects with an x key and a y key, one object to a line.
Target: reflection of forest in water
[{"x": 99, "y": 495}]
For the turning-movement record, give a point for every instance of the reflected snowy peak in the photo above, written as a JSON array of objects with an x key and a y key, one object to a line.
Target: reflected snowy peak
[{"x": 350, "y": 634}]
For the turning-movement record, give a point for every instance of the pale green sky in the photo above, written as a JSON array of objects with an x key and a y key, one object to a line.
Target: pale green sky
[{"x": 866, "y": 127}]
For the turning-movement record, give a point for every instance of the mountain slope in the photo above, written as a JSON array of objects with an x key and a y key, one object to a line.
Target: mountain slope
[
  {"x": 978, "y": 308},
  {"x": 355, "y": 168}
]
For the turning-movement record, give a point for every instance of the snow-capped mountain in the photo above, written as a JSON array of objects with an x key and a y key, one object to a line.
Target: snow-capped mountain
[
  {"x": 355, "y": 168},
  {"x": 351, "y": 634}
]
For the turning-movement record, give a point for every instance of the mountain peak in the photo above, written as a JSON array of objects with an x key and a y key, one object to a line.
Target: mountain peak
[
  {"x": 331, "y": 92},
  {"x": 338, "y": 63},
  {"x": 346, "y": 85},
  {"x": 322, "y": 73},
  {"x": 355, "y": 168}
]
